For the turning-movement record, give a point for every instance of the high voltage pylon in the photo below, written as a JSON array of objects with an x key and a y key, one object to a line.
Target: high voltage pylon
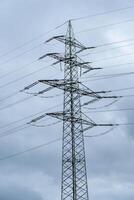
[{"x": 74, "y": 176}]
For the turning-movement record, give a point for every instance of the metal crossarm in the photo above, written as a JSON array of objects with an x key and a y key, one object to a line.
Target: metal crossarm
[
  {"x": 62, "y": 58},
  {"x": 65, "y": 40},
  {"x": 67, "y": 117},
  {"x": 65, "y": 85}
]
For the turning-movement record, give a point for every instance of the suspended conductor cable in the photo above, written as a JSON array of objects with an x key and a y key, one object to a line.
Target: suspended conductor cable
[
  {"x": 9, "y": 96},
  {"x": 22, "y": 67},
  {"x": 33, "y": 148},
  {"x": 126, "y": 124},
  {"x": 107, "y": 25},
  {"x": 111, "y": 110},
  {"x": 44, "y": 97},
  {"x": 19, "y": 55},
  {"x": 128, "y": 96},
  {"x": 25, "y": 76},
  {"x": 100, "y": 134},
  {"x": 30, "y": 41},
  {"x": 107, "y": 105},
  {"x": 117, "y": 65},
  {"x": 112, "y": 57},
  {"x": 37, "y": 147},
  {"x": 29, "y": 116},
  {"x": 22, "y": 127},
  {"x": 18, "y": 69},
  {"x": 116, "y": 42},
  {"x": 122, "y": 89},
  {"x": 114, "y": 48},
  {"x": 107, "y": 76},
  {"x": 102, "y": 13},
  {"x": 45, "y": 125},
  {"x": 15, "y": 103},
  {"x": 14, "y": 130},
  {"x": 111, "y": 75}
]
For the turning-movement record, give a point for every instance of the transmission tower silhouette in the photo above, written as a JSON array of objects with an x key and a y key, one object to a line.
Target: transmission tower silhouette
[{"x": 74, "y": 184}]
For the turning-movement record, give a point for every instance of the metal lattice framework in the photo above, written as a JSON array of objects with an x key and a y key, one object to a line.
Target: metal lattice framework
[{"x": 74, "y": 177}]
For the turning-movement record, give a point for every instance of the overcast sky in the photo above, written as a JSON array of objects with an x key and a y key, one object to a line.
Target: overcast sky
[{"x": 36, "y": 175}]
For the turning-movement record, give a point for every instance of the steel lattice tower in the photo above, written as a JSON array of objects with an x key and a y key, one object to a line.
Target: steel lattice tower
[{"x": 74, "y": 178}]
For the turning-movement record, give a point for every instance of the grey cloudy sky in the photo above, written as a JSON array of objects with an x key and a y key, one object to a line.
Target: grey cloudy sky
[{"x": 110, "y": 162}]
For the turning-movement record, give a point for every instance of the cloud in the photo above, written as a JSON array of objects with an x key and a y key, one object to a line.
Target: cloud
[
  {"x": 14, "y": 192},
  {"x": 37, "y": 175}
]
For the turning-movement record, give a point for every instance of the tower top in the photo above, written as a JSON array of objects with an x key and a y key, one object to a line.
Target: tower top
[{"x": 70, "y": 32}]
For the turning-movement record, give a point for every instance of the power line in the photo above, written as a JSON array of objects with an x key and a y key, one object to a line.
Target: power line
[
  {"x": 14, "y": 130},
  {"x": 105, "y": 106},
  {"x": 107, "y": 25},
  {"x": 111, "y": 110},
  {"x": 122, "y": 89},
  {"x": 117, "y": 65},
  {"x": 44, "y": 144},
  {"x": 102, "y": 13},
  {"x": 101, "y": 77},
  {"x": 18, "y": 69},
  {"x": 115, "y": 42},
  {"x": 100, "y": 134},
  {"x": 107, "y": 76},
  {"x": 25, "y": 76},
  {"x": 9, "y": 96},
  {"x": 22, "y": 127},
  {"x": 114, "y": 48},
  {"x": 15, "y": 103},
  {"x": 106, "y": 44},
  {"x": 29, "y": 64},
  {"x": 29, "y": 149},
  {"x": 21, "y": 54},
  {"x": 128, "y": 96},
  {"x": 126, "y": 124},
  {"x": 112, "y": 57},
  {"x": 30, "y": 41},
  {"x": 112, "y": 75},
  {"x": 118, "y": 42},
  {"x": 52, "y": 96},
  {"x": 45, "y": 125},
  {"x": 30, "y": 93},
  {"x": 27, "y": 117}
]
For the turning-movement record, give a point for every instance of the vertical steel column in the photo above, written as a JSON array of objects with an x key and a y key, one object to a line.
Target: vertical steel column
[{"x": 74, "y": 177}]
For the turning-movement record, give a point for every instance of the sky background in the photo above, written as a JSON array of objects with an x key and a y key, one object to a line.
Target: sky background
[{"x": 24, "y": 27}]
